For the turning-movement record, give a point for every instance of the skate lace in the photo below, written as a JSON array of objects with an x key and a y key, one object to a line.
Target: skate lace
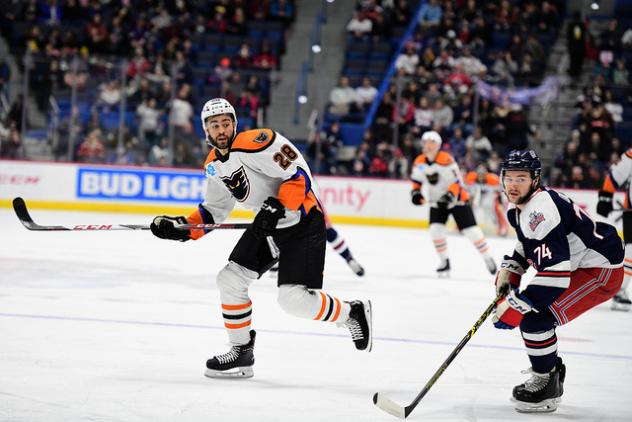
[
  {"x": 354, "y": 328},
  {"x": 229, "y": 356},
  {"x": 537, "y": 381}
]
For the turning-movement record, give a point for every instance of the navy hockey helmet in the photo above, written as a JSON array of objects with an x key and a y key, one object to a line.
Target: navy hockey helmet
[{"x": 522, "y": 160}]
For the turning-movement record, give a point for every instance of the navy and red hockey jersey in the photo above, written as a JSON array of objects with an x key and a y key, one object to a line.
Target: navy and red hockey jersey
[{"x": 556, "y": 236}]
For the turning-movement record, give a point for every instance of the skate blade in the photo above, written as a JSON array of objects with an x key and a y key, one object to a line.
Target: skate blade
[
  {"x": 620, "y": 307},
  {"x": 545, "y": 406},
  {"x": 443, "y": 274},
  {"x": 242, "y": 372},
  {"x": 368, "y": 312}
]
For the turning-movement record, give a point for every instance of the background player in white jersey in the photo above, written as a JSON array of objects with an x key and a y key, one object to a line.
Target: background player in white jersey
[
  {"x": 265, "y": 172},
  {"x": 446, "y": 196},
  {"x": 579, "y": 264},
  {"x": 619, "y": 176}
]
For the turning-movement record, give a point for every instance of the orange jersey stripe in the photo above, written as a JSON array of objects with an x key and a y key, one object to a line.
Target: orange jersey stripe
[
  {"x": 237, "y": 307},
  {"x": 196, "y": 218},
  {"x": 608, "y": 186},
  {"x": 236, "y": 326}
]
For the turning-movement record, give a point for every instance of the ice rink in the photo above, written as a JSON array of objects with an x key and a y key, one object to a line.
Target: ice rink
[{"x": 117, "y": 326}]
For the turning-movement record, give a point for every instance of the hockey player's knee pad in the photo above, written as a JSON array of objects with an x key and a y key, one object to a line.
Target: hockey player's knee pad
[
  {"x": 296, "y": 300},
  {"x": 474, "y": 233},
  {"x": 437, "y": 230},
  {"x": 234, "y": 279}
]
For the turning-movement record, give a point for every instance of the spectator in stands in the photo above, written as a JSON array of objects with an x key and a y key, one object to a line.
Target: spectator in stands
[
  {"x": 360, "y": 25},
  {"x": 424, "y": 116},
  {"x": 159, "y": 154},
  {"x": 183, "y": 69},
  {"x": 365, "y": 94},
  {"x": 323, "y": 150},
  {"x": 264, "y": 59},
  {"x": 576, "y": 44},
  {"x": 219, "y": 22},
  {"x": 621, "y": 75},
  {"x": 238, "y": 24},
  {"x": 408, "y": 60},
  {"x": 92, "y": 149},
  {"x": 243, "y": 59},
  {"x": 430, "y": 14},
  {"x": 282, "y": 10},
  {"x": 404, "y": 114},
  {"x": 10, "y": 140},
  {"x": 478, "y": 145},
  {"x": 149, "y": 124},
  {"x": 442, "y": 116},
  {"x": 342, "y": 98},
  {"x": 109, "y": 95},
  {"x": 182, "y": 111},
  {"x": 97, "y": 34},
  {"x": 457, "y": 145}
]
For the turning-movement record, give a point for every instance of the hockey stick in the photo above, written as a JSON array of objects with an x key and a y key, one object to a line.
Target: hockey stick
[
  {"x": 386, "y": 404},
  {"x": 19, "y": 206}
]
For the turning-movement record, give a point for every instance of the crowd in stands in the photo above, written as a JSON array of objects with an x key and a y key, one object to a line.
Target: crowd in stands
[
  {"x": 164, "y": 58},
  {"x": 602, "y": 126},
  {"x": 455, "y": 43}
]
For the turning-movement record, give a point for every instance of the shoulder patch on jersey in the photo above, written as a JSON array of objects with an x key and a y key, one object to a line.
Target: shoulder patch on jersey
[
  {"x": 444, "y": 158},
  {"x": 253, "y": 140},
  {"x": 210, "y": 170},
  {"x": 535, "y": 218}
]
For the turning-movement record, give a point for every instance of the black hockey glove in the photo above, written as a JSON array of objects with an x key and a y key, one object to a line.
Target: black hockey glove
[
  {"x": 604, "y": 204},
  {"x": 272, "y": 210},
  {"x": 448, "y": 200},
  {"x": 164, "y": 227},
  {"x": 416, "y": 197}
]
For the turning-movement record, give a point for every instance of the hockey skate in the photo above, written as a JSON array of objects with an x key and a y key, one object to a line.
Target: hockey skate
[
  {"x": 356, "y": 267},
  {"x": 444, "y": 268},
  {"x": 542, "y": 392},
  {"x": 491, "y": 265},
  {"x": 274, "y": 271},
  {"x": 236, "y": 363},
  {"x": 621, "y": 301},
  {"x": 359, "y": 324}
]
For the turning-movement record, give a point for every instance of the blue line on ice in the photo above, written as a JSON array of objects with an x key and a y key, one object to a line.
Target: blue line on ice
[{"x": 299, "y": 333}]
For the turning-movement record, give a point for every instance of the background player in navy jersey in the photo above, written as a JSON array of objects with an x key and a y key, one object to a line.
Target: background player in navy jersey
[{"x": 579, "y": 264}]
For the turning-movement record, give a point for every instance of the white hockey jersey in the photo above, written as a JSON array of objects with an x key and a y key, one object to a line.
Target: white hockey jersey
[
  {"x": 260, "y": 163},
  {"x": 440, "y": 176},
  {"x": 620, "y": 175}
]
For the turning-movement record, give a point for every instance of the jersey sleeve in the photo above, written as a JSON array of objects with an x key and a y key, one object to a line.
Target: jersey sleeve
[
  {"x": 217, "y": 205},
  {"x": 551, "y": 256},
  {"x": 282, "y": 160},
  {"x": 416, "y": 174}
]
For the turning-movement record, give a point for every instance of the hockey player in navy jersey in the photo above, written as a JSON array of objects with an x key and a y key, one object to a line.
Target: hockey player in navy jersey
[
  {"x": 263, "y": 170},
  {"x": 578, "y": 263}
]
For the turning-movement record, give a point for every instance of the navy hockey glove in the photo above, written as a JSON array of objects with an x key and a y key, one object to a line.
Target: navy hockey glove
[
  {"x": 448, "y": 200},
  {"x": 604, "y": 206},
  {"x": 272, "y": 210},
  {"x": 510, "y": 310},
  {"x": 416, "y": 197},
  {"x": 164, "y": 227}
]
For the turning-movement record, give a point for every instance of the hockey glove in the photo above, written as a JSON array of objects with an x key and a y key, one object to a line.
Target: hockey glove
[
  {"x": 272, "y": 210},
  {"x": 448, "y": 200},
  {"x": 510, "y": 310},
  {"x": 509, "y": 275},
  {"x": 604, "y": 204},
  {"x": 164, "y": 227},
  {"x": 416, "y": 197}
]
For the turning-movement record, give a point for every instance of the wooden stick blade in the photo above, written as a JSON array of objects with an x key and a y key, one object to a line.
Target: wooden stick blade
[{"x": 382, "y": 401}]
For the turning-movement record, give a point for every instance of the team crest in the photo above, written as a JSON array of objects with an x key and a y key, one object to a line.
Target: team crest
[
  {"x": 210, "y": 170},
  {"x": 535, "y": 218},
  {"x": 261, "y": 137},
  {"x": 433, "y": 178},
  {"x": 238, "y": 184}
]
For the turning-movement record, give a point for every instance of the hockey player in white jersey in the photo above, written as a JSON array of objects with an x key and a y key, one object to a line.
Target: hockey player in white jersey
[
  {"x": 264, "y": 171},
  {"x": 620, "y": 176},
  {"x": 447, "y": 196},
  {"x": 578, "y": 263}
]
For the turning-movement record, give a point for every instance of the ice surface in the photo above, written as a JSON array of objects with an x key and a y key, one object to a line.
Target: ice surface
[{"x": 116, "y": 326}]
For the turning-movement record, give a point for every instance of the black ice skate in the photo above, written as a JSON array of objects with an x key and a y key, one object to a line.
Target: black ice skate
[
  {"x": 621, "y": 301},
  {"x": 236, "y": 363},
  {"x": 359, "y": 324},
  {"x": 542, "y": 392},
  {"x": 356, "y": 267},
  {"x": 444, "y": 268},
  {"x": 491, "y": 265}
]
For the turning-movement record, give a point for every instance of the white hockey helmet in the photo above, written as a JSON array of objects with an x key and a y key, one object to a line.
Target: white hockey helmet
[
  {"x": 433, "y": 136},
  {"x": 217, "y": 107}
]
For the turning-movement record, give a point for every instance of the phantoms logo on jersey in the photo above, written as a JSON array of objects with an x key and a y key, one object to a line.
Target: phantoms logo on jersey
[
  {"x": 210, "y": 170},
  {"x": 238, "y": 184},
  {"x": 535, "y": 218},
  {"x": 261, "y": 138}
]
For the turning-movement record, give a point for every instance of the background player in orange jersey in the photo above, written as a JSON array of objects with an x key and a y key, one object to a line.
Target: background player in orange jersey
[
  {"x": 446, "y": 196},
  {"x": 620, "y": 175},
  {"x": 486, "y": 192},
  {"x": 265, "y": 172}
]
